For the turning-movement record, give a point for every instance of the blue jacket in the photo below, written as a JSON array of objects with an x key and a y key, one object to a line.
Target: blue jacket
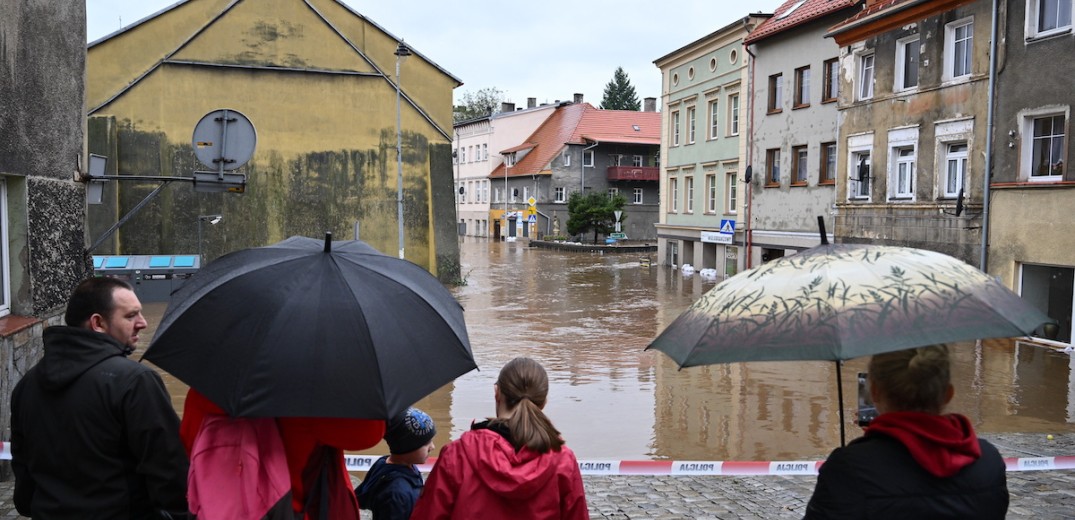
[{"x": 389, "y": 490}]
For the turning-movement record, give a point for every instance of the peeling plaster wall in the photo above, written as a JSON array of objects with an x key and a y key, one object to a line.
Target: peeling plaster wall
[{"x": 42, "y": 71}]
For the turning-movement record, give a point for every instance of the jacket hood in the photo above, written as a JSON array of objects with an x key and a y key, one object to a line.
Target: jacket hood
[
  {"x": 516, "y": 475},
  {"x": 382, "y": 473},
  {"x": 71, "y": 351},
  {"x": 941, "y": 444}
]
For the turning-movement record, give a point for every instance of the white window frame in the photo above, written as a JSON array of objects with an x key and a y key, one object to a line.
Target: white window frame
[
  {"x": 566, "y": 155},
  {"x": 864, "y": 89},
  {"x": 959, "y": 159},
  {"x": 711, "y": 193},
  {"x": 902, "y": 159},
  {"x": 714, "y": 119},
  {"x": 951, "y": 60},
  {"x": 675, "y": 127},
  {"x": 1033, "y": 19},
  {"x": 462, "y": 155},
  {"x": 673, "y": 195},
  {"x": 1027, "y": 119},
  {"x": 638, "y": 161},
  {"x": 497, "y": 195},
  {"x": 732, "y": 197},
  {"x": 612, "y": 192},
  {"x": 688, "y": 194},
  {"x": 637, "y": 198},
  {"x": 485, "y": 151},
  {"x": 902, "y": 46},
  {"x": 509, "y": 159},
  {"x": 526, "y": 193},
  {"x": 587, "y": 158},
  {"x": 559, "y": 192},
  {"x": 858, "y": 145},
  {"x": 692, "y": 124},
  {"x": 733, "y": 114}
]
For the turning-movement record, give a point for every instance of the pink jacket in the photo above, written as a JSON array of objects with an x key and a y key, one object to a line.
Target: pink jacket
[{"x": 482, "y": 476}]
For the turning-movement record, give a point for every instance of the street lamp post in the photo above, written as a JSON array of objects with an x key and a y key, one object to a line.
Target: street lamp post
[
  {"x": 213, "y": 220},
  {"x": 401, "y": 52}
]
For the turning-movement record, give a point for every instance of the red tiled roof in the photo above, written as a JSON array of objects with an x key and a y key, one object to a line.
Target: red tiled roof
[
  {"x": 809, "y": 10},
  {"x": 580, "y": 124},
  {"x": 881, "y": 16},
  {"x": 871, "y": 9}
]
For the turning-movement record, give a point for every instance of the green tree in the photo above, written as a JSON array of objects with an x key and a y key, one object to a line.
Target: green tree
[
  {"x": 620, "y": 94},
  {"x": 593, "y": 212},
  {"x": 484, "y": 102}
]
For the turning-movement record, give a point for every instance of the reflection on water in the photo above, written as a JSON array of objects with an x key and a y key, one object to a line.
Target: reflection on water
[{"x": 588, "y": 317}]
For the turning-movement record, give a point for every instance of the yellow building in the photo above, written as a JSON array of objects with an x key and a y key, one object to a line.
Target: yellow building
[{"x": 318, "y": 82}]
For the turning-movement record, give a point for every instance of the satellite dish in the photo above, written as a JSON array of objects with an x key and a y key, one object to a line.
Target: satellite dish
[{"x": 224, "y": 139}]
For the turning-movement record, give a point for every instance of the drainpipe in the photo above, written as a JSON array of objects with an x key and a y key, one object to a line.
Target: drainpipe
[
  {"x": 582, "y": 167},
  {"x": 991, "y": 98},
  {"x": 748, "y": 233}
]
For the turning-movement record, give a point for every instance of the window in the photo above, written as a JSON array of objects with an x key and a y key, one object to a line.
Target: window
[
  {"x": 485, "y": 151},
  {"x": 772, "y": 167},
  {"x": 526, "y": 193},
  {"x": 673, "y": 195},
  {"x": 732, "y": 186},
  {"x": 711, "y": 193},
  {"x": 1047, "y": 148},
  {"x": 613, "y": 193},
  {"x": 509, "y": 159},
  {"x": 455, "y": 156},
  {"x": 776, "y": 92},
  {"x": 636, "y": 161},
  {"x": 496, "y": 196},
  {"x": 675, "y": 128},
  {"x": 865, "y": 90},
  {"x": 691, "y": 120},
  {"x": 859, "y": 175},
  {"x": 514, "y": 195},
  {"x": 714, "y": 126},
  {"x": 827, "y": 169},
  {"x": 1048, "y": 17},
  {"x": 1052, "y": 289},
  {"x": 587, "y": 158},
  {"x": 733, "y": 114},
  {"x": 955, "y": 169},
  {"x": 802, "y": 87},
  {"x": 688, "y": 193},
  {"x": 559, "y": 194},
  {"x": 798, "y": 165},
  {"x": 615, "y": 159},
  {"x": 567, "y": 157},
  {"x": 902, "y": 180},
  {"x": 958, "y": 46},
  {"x": 907, "y": 52},
  {"x": 462, "y": 154},
  {"x": 832, "y": 80},
  {"x": 637, "y": 196}
]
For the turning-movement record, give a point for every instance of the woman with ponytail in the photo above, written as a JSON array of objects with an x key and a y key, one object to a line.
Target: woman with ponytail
[
  {"x": 512, "y": 466},
  {"x": 914, "y": 461}
]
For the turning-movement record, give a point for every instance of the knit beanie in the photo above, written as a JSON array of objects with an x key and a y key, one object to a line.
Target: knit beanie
[{"x": 409, "y": 431}]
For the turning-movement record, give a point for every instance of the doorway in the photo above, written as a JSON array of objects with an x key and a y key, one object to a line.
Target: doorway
[{"x": 1050, "y": 289}]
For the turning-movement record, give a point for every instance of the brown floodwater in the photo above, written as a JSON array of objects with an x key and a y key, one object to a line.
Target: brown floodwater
[{"x": 588, "y": 318}]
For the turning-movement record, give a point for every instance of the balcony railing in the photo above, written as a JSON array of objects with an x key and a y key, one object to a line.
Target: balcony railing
[{"x": 633, "y": 173}]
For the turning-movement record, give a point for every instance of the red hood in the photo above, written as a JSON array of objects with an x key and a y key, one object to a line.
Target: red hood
[
  {"x": 941, "y": 444},
  {"x": 517, "y": 475}
]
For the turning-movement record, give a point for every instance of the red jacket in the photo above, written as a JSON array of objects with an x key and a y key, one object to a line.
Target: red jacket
[
  {"x": 481, "y": 476},
  {"x": 303, "y": 437}
]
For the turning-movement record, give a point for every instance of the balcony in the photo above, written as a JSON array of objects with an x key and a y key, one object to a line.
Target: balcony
[{"x": 633, "y": 173}]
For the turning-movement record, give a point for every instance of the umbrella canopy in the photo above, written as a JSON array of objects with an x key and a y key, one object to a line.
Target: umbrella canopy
[
  {"x": 305, "y": 328},
  {"x": 841, "y": 301}
]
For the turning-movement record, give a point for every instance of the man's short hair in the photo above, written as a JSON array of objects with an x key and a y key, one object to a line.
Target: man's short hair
[{"x": 92, "y": 296}]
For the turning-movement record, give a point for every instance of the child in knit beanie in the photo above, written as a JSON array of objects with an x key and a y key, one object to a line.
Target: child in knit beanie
[{"x": 393, "y": 483}]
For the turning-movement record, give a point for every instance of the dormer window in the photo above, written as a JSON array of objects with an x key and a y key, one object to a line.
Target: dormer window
[{"x": 790, "y": 10}]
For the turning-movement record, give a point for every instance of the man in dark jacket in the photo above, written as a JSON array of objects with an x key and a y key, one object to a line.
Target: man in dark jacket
[{"x": 94, "y": 434}]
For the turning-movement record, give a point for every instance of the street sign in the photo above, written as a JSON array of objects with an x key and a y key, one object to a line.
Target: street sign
[
  {"x": 224, "y": 140},
  {"x": 531, "y": 211},
  {"x": 531, "y": 201},
  {"x": 532, "y": 219}
]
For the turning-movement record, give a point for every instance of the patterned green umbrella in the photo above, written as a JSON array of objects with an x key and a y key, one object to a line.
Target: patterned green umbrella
[{"x": 842, "y": 301}]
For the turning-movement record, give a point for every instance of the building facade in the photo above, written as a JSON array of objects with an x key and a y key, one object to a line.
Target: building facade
[
  {"x": 704, "y": 96},
  {"x": 913, "y": 101},
  {"x": 318, "y": 82},
  {"x": 1029, "y": 237},
  {"x": 793, "y": 126}
]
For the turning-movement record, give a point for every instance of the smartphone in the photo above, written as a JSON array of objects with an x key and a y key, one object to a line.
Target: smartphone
[{"x": 867, "y": 411}]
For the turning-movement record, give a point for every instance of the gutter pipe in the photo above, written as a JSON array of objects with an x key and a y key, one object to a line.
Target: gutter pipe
[{"x": 991, "y": 99}]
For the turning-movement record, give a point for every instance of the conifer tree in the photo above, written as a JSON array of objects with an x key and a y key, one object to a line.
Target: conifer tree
[{"x": 620, "y": 94}]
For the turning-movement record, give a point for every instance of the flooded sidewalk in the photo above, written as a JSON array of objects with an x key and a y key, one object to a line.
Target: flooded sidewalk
[{"x": 1034, "y": 494}]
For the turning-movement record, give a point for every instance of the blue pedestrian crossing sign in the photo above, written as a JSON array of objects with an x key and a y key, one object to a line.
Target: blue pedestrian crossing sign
[
  {"x": 727, "y": 227},
  {"x": 532, "y": 219}
]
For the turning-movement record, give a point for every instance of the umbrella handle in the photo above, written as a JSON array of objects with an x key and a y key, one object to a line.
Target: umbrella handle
[{"x": 328, "y": 241}]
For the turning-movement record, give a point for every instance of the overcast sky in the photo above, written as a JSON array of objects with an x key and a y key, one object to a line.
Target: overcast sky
[{"x": 549, "y": 49}]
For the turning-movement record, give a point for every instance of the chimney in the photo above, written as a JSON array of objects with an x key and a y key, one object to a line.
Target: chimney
[
  {"x": 578, "y": 98},
  {"x": 650, "y": 104},
  {"x": 507, "y": 107},
  {"x": 531, "y": 102}
]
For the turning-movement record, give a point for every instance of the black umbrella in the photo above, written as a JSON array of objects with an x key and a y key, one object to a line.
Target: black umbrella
[{"x": 303, "y": 328}]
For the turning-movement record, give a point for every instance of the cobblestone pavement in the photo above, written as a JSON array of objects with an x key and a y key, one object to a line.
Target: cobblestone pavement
[{"x": 1034, "y": 494}]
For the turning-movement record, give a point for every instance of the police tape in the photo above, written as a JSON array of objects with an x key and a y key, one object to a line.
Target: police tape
[
  {"x": 725, "y": 467},
  {"x": 695, "y": 467}
]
